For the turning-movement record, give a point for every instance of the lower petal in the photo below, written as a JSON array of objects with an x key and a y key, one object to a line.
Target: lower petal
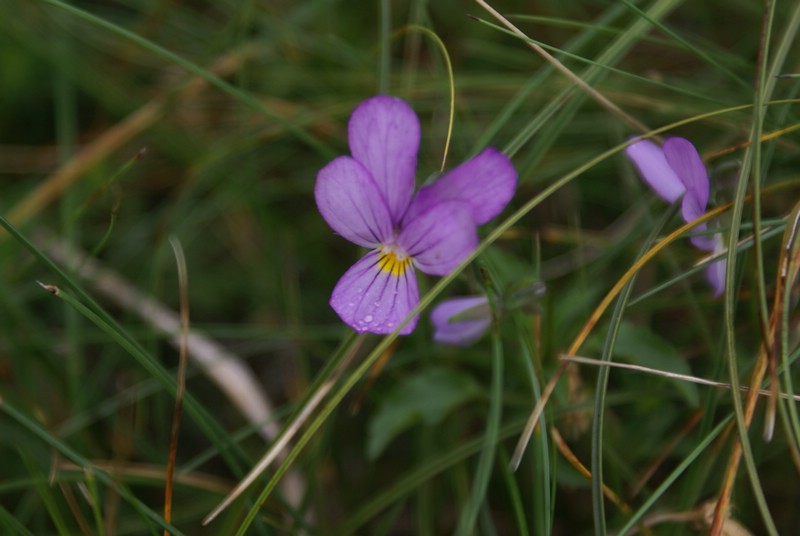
[
  {"x": 716, "y": 271},
  {"x": 376, "y": 294},
  {"x": 704, "y": 242}
]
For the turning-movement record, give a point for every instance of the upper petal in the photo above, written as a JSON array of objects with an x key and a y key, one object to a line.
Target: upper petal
[
  {"x": 653, "y": 167},
  {"x": 440, "y": 238},
  {"x": 684, "y": 160},
  {"x": 383, "y": 133},
  {"x": 486, "y": 182},
  {"x": 352, "y": 203},
  {"x": 370, "y": 297},
  {"x": 461, "y": 332}
]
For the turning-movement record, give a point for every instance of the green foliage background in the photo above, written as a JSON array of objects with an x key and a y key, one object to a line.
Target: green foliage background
[{"x": 126, "y": 122}]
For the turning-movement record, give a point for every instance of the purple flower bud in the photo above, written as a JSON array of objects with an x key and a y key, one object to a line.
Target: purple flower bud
[
  {"x": 461, "y": 321},
  {"x": 677, "y": 170}
]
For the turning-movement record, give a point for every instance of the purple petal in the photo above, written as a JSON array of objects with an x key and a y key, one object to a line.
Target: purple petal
[
  {"x": 653, "y": 167},
  {"x": 351, "y": 203},
  {"x": 375, "y": 296},
  {"x": 383, "y": 133},
  {"x": 704, "y": 242},
  {"x": 461, "y": 332},
  {"x": 440, "y": 238},
  {"x": 684, "y": 160},
  {"x": 486, "y": 182},
  {"x": 715, "y": 272}
]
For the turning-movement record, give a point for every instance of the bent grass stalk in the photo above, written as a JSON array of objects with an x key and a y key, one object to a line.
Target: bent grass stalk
[
  {"x": 600, "y": 310},
  {"x": 183, "y": 287},
  {"x": 35, "y": 428},
  {"x": 325, "y": 381},
  {"x": 450, "y": 80},
  {"x": 98, "y": 316},
  {"x": 594, "y": 318},
  {"x": 751, "y": 164},
  {"x": 592, "y": 92}
]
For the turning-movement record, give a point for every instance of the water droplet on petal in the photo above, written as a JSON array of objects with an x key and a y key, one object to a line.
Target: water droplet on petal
[{"x": 368, "y": 319}]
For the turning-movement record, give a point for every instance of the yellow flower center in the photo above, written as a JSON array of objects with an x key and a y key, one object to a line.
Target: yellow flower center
[{"x": 393, "y": 261}]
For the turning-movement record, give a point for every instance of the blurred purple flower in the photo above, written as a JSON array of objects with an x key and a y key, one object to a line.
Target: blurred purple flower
[
  {"x": 461, "y": 321},
  {"x": 369, "y": 199},
  {"x": 677, "y": 170}
]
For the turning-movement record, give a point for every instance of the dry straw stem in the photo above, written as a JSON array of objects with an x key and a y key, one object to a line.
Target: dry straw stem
[
  {"x": 700, "y": 518},
  {"x": 673, "y": 375},
  {"x": 666, "y": 451},
  {"x": 111, "y": 140},
  {"x": 154, "y": 473},
  {"x": 767, "y": 357},
  {"x": 573, "y": 460},
  {"x": 592, "y": 92},
  {"x": 225, "y": 369},
  {"x": 183, "y": 284},
  {"x": 282, "y": 443},
  {"x": 595, "y": 318}
]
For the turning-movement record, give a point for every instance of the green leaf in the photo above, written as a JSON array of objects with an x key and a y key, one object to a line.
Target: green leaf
[
  {"x": 428, "y": 397},
  {"x": 643, "y": 347}
]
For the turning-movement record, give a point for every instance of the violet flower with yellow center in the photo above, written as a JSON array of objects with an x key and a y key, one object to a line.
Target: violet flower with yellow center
[
  {"x": 676, "y": 170},
  {"x": 369, "y": 199}
]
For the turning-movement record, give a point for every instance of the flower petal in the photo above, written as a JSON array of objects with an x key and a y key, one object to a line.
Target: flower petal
[
  {"x": 440, "y": 238},
  {"x": 715, "y": 272},
  {"x": 383, "y": 133},
  {"x": 461, "y": 332},
  {"x": 485, "y": 182},
  {"x": 370, "y": 297},
  {"x": 684, "y": 160},
  {"x": 653, "y": 167},
  {"x": 704, "y": 242},
  {"x": 351, "y": 203}
]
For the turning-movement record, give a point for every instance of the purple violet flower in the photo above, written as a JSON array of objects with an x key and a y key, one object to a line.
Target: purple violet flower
[
  {"x": 369, "y": 199},
  {"x": 677, "y": 170},
  {"x": 461, "y": 321}
]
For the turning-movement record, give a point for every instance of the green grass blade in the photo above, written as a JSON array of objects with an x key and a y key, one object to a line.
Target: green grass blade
[
  {"x": 405, "y": 485},
  {"x": 12, "y": 525},
  {"x": 598, "y": 421},
  {"x": 673, "y": 476},
  {"x": 486, "y": 461},
  {"x": 515, "y": 495}
]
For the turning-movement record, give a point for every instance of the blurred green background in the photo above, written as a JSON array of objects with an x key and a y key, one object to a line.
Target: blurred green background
[{"x": 126, "y": 122}]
